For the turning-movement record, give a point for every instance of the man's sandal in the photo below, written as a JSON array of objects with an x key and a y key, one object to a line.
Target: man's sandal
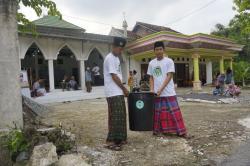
[
  {"x": 185, "y": 136},
  {"x": 114, "y": 147}
]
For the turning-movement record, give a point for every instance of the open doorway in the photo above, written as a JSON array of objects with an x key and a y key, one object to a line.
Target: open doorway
[
  {"x": 66, "y": 65},
  {"x": 181, "y": 76},
  {"x": 95, "y": 62},
  {"x": 36, "y": 66}
]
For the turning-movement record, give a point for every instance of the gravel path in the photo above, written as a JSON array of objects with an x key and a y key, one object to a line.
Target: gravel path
[{"x": 217, "y": 133}]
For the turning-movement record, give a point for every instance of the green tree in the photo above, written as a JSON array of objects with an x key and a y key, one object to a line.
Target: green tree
[
  {"x": 243, "y": 9},
  {"x": 241, "y": 72},
  {"x": 238, "y": 28},
  {"x": 221, "y": 30},
  {"x": 37, "y": 6},
  {"x": 242, "y": 5}
]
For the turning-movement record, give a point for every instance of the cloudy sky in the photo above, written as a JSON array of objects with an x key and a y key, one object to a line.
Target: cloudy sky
[{"x": 185, "y": 16}]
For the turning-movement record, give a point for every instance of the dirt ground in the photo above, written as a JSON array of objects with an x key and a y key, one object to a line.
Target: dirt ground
[{"x": 215, "y": 129}]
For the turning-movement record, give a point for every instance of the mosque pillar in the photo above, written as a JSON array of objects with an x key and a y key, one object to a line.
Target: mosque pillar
[
  {"x": 51, "y": 75},
  {"x": 231, "y": 64},
  {"x": 82, "y": 74},
  {"x": 196, "y": 82},
  {"x": 222, "y": 65},
  {"x": 209, "y": 72}
]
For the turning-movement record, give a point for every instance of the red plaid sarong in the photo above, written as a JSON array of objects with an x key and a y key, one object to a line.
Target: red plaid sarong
[{"x": 167, "y": 116}]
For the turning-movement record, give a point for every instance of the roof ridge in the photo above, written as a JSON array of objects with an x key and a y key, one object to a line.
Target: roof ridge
[
  {"x": 154, "y": 27},
  {"x": 139, "y": 22},
  {"x": 55, "y": 21},
  {"x": 143, "y": 24},
  {"x": 122, "y": 29}
]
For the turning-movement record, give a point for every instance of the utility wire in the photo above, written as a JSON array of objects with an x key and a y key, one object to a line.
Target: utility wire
[
  {"x": 92, "y": 21},
  {"x": 191, "y": 13},
  {"x": 170, "y": 23}
]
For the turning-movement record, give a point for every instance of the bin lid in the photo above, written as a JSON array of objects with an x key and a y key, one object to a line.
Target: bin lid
[
  {"x": 142, "y": 93},
  {"x": 146, "y": 92}
]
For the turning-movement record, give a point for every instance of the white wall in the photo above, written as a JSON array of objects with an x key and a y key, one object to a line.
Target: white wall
[{"x": 51, "y": 46}]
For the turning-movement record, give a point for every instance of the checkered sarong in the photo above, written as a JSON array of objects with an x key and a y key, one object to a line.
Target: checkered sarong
[{"x": 167, "y": 116}]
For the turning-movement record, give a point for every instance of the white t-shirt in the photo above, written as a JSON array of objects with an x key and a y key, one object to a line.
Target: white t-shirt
[
  {"x": 112, "y": 66},
  {"x": 159, "y": 69},
  {"x": 96, "y": 70}
]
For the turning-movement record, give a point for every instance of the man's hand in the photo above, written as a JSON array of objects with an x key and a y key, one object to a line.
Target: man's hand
[
  {"x": 126, "y": 92},
  {"x": 152, "y": 91},
  {"x": 165, "y": 83},
  {"x": 159, "y": 92},
  {"x": 119, "y": 83},
  {"x": 151, "y": 84}
]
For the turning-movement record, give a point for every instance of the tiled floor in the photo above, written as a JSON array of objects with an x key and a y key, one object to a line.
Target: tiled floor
[{"x": 66, "y": 96}]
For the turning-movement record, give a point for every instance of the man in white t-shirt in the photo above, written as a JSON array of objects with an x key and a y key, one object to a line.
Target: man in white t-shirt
[
  {"x": 97, "y": 75},
  {"x": 167, "y": 114},
  {"x": 115, "y": 92}
]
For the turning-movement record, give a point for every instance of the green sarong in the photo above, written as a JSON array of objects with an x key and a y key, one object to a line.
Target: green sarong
[{"x": 117, "y": 119}]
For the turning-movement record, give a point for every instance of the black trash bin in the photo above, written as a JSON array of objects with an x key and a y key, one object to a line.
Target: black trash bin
[{"x": 141, "y": 106}]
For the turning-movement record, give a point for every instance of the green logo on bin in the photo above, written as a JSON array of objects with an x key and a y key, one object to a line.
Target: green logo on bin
[{"x": 139, "y": 104}]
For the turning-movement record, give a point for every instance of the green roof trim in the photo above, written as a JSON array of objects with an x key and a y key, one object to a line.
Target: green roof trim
[
  {"x": 180, "y": 35},
  {"x": 214, "y": 36},
  {"x": 56, "y": 22},
  {"x": 177, "y": 52}
]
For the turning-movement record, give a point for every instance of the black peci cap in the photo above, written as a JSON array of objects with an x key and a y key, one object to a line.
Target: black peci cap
[
  {"x": 119, "y": 42},
  {"x": 159, "y": 44}
]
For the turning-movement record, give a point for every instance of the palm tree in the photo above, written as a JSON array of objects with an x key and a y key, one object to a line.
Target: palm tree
[{"x": 10, "y": 97}]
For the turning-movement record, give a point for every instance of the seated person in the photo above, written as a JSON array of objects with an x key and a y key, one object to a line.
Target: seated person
[
  {"x": 217, "y": 91},
  {"x": 38, "y": 88},
  {"x": 73, "y": 84},
  {"x": 65, "y": 83},
  {"x": 220, "y": 84},
  {"x": 144, "y": 83},
  {"x": 145, "y": 86},
  {"x": 232, "y": 90}
]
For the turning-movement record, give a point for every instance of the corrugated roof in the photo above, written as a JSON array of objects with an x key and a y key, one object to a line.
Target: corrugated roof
[
  {"x": 55, "y": 21},
  {"x": 153, "y": 28},
  {"x": 130, "y": 34}
]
